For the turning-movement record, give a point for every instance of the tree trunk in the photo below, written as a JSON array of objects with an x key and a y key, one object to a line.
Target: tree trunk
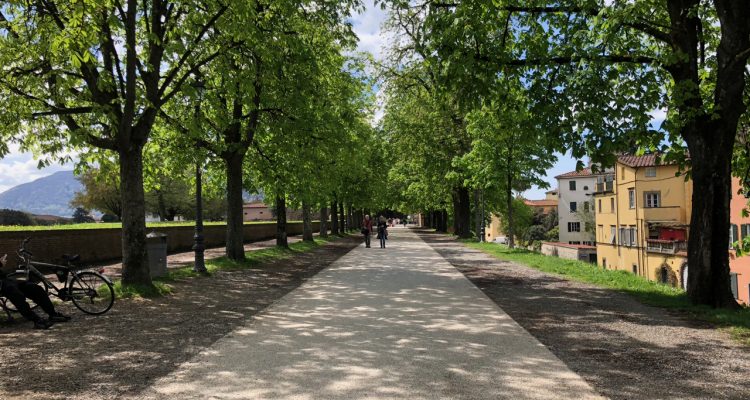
[
  {"x": 710, "y": 136},
  {"x": 324, "y": 222},
  {"x": 444, "y": 220},
  {"x": 477, "y": 215},
  {"x": 462, "y": 213},
  {"x": 307, "y": 231},
  {"x": 342, "y": 224},
  {"x": 334, "y": 218},
  {"x": 509, "y": 203},
  {"x": 235, "y": 247},
  {"x": 135, "y": 269},
  {"x": 281, "y": 240}
]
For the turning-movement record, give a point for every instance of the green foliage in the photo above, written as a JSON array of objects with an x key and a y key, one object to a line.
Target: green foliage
[
  {"x": 15, "y": 218},
  {"x": 82, "y": 216},
  {"x": 523, "y": 219}
]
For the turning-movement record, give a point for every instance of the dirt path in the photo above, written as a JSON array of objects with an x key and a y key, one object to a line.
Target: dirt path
[
  {"x": 624, "y": 349},
  {"x": 125, "y": 350}
]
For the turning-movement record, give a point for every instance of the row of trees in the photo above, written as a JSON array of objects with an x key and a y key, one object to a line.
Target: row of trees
[
  {"x": 257, "y": 95},
  {"x": 483, "y": 94}
]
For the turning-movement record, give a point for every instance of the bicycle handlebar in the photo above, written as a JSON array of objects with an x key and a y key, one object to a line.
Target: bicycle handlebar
[{"x": 22, "y": 249}]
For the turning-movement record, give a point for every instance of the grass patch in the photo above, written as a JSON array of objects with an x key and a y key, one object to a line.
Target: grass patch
[
  {"x": 158, "y": 289},
  {"x": 736, "y": 322},
  {"x": 252, "y": 258},
  {"x": 161, "y": 285}
]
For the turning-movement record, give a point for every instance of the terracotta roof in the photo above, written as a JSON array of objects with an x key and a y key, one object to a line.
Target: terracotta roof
[
  {"x": 541, "y": 203},
  {"x": 573, "y": 174},
  {"x": 646, "y": 160}
]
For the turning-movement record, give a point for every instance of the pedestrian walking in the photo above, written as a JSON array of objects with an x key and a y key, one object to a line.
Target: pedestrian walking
[
  {"x": 382, "y": 231},
  {"x": 367, "y": 230}
]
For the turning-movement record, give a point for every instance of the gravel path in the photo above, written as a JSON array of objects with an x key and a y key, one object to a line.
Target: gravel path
[
  {"x": 122, "y": 352},
  {"x": 626, "y": 350},
  {"x": 394, "y": 323}
]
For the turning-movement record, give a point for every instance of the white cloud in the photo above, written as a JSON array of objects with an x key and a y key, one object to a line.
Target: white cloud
[
  {"x": 367, "y": 25},
  {"x": 17, "y": 168}
]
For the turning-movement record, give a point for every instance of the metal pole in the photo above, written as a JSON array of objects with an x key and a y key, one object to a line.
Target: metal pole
[{"x": 199, "y": 246}]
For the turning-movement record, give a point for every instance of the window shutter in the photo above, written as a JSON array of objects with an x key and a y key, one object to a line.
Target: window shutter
[{"x": 733, "y": 281}]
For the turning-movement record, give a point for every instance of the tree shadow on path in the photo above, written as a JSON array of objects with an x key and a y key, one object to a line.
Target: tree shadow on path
[{"x": 623, "y": 348}]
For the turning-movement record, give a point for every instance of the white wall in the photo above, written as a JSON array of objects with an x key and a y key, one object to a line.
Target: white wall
[{"x": 585, "y": 187}]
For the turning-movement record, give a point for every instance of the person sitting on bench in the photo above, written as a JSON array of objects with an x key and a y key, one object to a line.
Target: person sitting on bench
[{"x": 17, "y": 292}]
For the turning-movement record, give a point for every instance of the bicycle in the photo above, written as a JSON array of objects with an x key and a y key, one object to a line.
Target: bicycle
[{"x": 89, "y": 290}]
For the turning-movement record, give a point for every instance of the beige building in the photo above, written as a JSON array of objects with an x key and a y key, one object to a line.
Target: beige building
[{"x": 642, "y": 217}]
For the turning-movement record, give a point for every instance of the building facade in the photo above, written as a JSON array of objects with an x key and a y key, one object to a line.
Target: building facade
[
  {"x": 642, "y": 215},
  {"x": 575, "y": 210},
  {"x": 738, "y": 230}
]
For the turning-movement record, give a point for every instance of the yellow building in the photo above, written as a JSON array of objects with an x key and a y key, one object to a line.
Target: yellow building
[{"x": 642, "y": 217}]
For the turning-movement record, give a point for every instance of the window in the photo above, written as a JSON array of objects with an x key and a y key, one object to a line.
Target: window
[
  {"x": 631, "y": 197},
  {"x": 574, "y": 226},
  {"x": 587, "y": 226},
  {"x": 573, "y": 206},
  {"x": 651, "y": 172},
  {"x": 585, "y": 188},
  {"x": 600, "y": 229},
  {"x": 612, "y": 233},
  {"x": 604, "y": 263},
  {"x": 633, "y": 236},
  {"x": 652, "y": 199},
  {"x": 733, "y": 283},
  {"x": 732, "y": 235},
  {"x": 635, "y": 269},
  {"x": 744, "y": 230},
  {"x": 572, "y": 185},
  {"x": 586, "y": 206},
  {"x": 600, "y": 205},
  {"x": 622, "y": 173},
  {"x": 612, "y": 205},
  {"x": 621, "y": 242},
  {"x": 588, "y": 243},
  {"x": 574, "y": 242}
]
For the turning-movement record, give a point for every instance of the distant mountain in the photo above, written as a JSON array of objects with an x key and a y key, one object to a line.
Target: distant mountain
[{"x": 50, "y": 195}]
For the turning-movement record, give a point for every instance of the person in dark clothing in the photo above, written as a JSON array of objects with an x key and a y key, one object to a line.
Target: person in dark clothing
[
  {"x": 367, "y": 230},
  {"x": 382, "y": 231},
  {"x": 17, "y": 292}
]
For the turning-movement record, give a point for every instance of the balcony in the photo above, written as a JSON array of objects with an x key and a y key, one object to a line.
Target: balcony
[
  {"x": 675, "y": 214},
  {"x": 602, "y": 187},
  {"x": 666, "y": 246}
]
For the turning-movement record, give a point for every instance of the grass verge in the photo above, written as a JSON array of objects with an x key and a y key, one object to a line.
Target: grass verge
[
  {"x": 161, "y": 286},
  {"x": 736, "y": 322}
]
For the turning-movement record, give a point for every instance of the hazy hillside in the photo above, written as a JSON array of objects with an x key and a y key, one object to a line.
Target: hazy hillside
[{"x": 48, "y": 196}]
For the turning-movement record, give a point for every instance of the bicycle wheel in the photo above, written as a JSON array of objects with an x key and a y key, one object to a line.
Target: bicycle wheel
[
  {"x": 91, "y": 292},
  {"x": 23, "y": 277}
]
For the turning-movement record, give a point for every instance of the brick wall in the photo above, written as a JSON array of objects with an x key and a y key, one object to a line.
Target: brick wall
[{"x": 99, "y": 245}]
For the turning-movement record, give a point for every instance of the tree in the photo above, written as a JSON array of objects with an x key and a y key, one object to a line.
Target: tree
[
  {"x": 82, "y": 216},
  {"x": 597, "y": 70},
  {"x": 15, "y": 217},
  {"x": 96, "y": 74},
  {"x": 101, "y": 191}
]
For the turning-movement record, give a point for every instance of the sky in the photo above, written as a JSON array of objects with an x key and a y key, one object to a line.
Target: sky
[{"x": 17, "y": 168}]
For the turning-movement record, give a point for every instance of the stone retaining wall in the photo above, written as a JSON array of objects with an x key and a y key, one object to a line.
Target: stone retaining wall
[{"x": 100, "y": 245}]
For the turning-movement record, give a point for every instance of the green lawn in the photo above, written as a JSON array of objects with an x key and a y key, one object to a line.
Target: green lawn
[
  {"x": 737, "y": 323},
  {"x": 113, "y": 225},
  {"x": 252, "y": 258}
]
